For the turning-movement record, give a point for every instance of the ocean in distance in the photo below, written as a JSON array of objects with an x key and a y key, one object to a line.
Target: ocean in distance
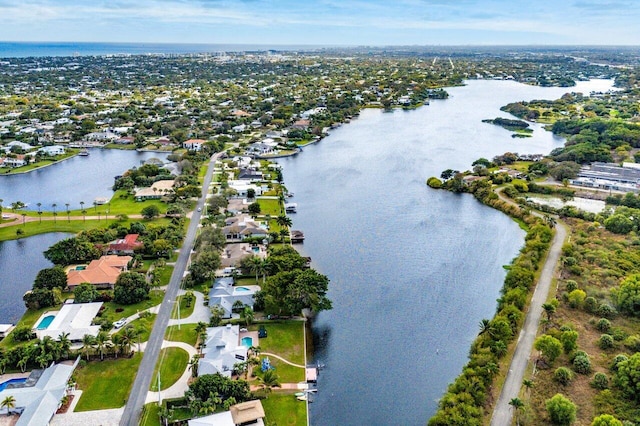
[{"x": 12, "y": 49}]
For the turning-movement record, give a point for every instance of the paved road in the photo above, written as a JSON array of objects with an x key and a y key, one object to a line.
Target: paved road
[
  {"x": 502, "y": 413},
  {"x": 138, "y": 395}
]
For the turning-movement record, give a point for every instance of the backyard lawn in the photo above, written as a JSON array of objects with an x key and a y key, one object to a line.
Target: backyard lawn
[
  {"x": 171, "y": 364},
  {"x": 285, "y": 339},
  {"x": 283, "y": 409},
  {"x": 106, "y": 384},
  {"x": 186, "y": 334},
  {"x": 270, "y": 206}
]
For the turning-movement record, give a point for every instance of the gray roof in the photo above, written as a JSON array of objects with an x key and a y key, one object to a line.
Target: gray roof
[{"x": 41, "y": 401}]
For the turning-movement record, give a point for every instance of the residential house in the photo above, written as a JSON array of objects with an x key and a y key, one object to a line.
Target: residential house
[
  {"x": 242, "y": 186},
  {"x": 250, "y": 175},
  {"x": 23, "y": 146},
  {"x": 40, "y": 396},
  {"x": 101, "y": 273},
  {"x": 221, "y": 351},
  {"x": 127, "y": 245},
  {"x": 73, "y": 319},
  {"x": 245, "y": 413},
  {"x": 302, "y": 124},
  {"x": 225, "y": 295},
  {"x": 52, "y": 150},
  {"x": 126, "y": 140},
  {"x": 18, "y": 161},
  {"x": 194, "y": 144},
  {"x": 239, "y": 128},
  {"x": 156, "y": 191},
  {"x": 242, "y": 226},
  {"x": 103, "y": 136}
]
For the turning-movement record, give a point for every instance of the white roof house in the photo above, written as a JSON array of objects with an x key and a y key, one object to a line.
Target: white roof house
[
  {"x": 241, "y": 187},
  {"x": 38, "y": 402},
  {"x": 74, "y": 319},
  {"x": 219, "y": 419},
  {"x": 52, "y": 150},
  {"x": 22, "y": 145},
  {"x": 224, "y": 294},
  {"x": 222, "y": 350}
]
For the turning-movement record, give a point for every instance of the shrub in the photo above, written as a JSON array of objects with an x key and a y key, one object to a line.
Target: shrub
[
  {"x": 633, "y": 343},
  {"x": 434, "y": 182},
  {"x": 21, "y": 334},
  {"x": 563, "y": 375},
  {"x": 606, "y": 341},
  {"x": 561, "y": 410},
  {"x": 606, "y": 311},
  {"x": 591, "y": 305},
  {"x": 576, "y": 298},
  {"x": 617, "y": 360},
  {"x": 603, "y": 325},
  {"x": 600, "y": 381},
  {"x": 582, "y": 364}
]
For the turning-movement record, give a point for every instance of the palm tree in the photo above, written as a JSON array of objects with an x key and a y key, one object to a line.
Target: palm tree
[
  {"x": 528, "y": 384},
  {"x": 485, "y": 326},
  {"x": 68, "y": 218},
  {"x": 517, "y": 405},
  {"x": 65, "y": 344},
  {"x": 266, "y": 264},
  {"x": 82, "y": 208},
  {"x": 284, "y": 221},
  {"x": 102, "y": 340},
  {"x": 193, "y": 365},
  {"x": 255, "y": 266},
  {"x": 247, "y": 314},
  {"x": 128, "y": 336},
  {"x": 40, "y": 216},
  {"x": 24, "y": 360},
  {"x": 84, "y": 215},
  {"x": 116, "y": 339},
  {"x": 87, "y": 344},
  {"x": 9, "y": 403},
  {"x": 24, "y": 215},
  {"x": 269, "y": 380}
]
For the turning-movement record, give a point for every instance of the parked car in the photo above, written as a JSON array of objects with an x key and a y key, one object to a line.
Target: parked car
[{"x": 120, "y": 323}]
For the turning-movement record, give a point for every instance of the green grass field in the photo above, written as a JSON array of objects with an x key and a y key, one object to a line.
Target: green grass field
[
  {"x": 106, "y": 384},
  {"x": 185, "y": 311},
  {"x": 270, "y": 206},
  {"x": 171, "y": 364},
  {"x": 283, "y": 409},
  {"x": 186, "y": 334},
  {"x": 155, "y": 298}
]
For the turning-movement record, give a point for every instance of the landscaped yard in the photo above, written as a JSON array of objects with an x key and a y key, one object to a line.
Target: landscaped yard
[
  {"x": 155, "y": 298},
  {"x": 143, "y": 325},
  {"x": 106, "y": 384},
  {"x": 28, "y": 320},
  {"x": 185, "y": 309},
  {"x": 270, "y": 206},
  {"x": 171, "y": 364},
  {"x": 285, "y": 339},
  {"x": 186, "y": 334},
  {"x": 283, "y": 409}
]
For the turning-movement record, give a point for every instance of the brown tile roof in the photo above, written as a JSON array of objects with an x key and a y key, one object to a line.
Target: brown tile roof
[
  {"x": 246, "y": 412},
  {"x": 102, "y": 271}
]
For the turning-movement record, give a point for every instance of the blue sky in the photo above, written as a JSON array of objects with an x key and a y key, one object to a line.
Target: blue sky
[{"x": 326, "y": 22}]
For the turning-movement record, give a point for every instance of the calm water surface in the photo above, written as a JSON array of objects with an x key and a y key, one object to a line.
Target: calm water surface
[
  {"x": 412, "y": 270},
  {"x": 73, "y": 180},
  {"x": 20, "y": 261}
]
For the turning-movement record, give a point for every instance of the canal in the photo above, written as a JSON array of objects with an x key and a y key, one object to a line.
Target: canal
[{"x": 413, "y": 270}]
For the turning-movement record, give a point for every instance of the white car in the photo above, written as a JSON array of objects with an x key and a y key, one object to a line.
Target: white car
[
  {"x": 120, "y": 323},
  {"x": 199, "y": 209}
]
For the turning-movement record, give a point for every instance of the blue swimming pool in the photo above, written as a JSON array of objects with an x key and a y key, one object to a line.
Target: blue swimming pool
[
  {"x": 247, "y": 341},
  {"x": 46, "y": 322},
  {"x": 4, "y": 385},
  {"x": 242, "y": 289}
]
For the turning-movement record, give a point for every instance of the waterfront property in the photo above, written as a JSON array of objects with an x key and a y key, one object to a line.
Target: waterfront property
[
  {"x": 225, "y": 295},
  {"x": 222, "y": 350},
  {"x": 126, "y": 245},
  {"x": 101, "y": 273},
  {"x": 233, "y": 254},
  {"x": 242, "y": 226},
  {"x": 154, "y": 192},
  {"x": 245, "y": 413},
  {"x": 39, "y": 397},
  {"x": 73, "y": 319}
]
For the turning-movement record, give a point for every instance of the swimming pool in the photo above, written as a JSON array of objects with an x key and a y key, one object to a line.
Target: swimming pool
[
  {"x": 45, "y": 322},
  {"x": 81, "y": 267},
  {"x": 4, "y": 385},
  {"x": 247, "y": 341},
  {"x": 242, "y": 289},
  {"x": 255, "y": 249}
]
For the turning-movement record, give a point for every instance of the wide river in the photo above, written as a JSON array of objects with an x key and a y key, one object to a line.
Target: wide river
[
  {"x": 71, "y": 181},
  {"x": 413, "y": 270}
]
